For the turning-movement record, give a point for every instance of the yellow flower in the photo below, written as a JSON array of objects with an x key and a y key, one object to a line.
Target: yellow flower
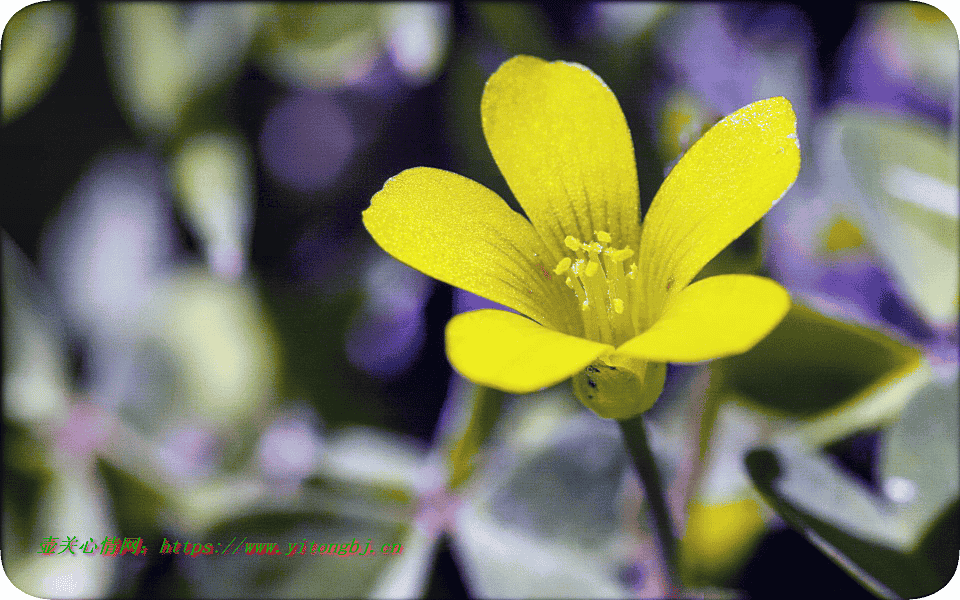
[{"x": 598, "y": 301}]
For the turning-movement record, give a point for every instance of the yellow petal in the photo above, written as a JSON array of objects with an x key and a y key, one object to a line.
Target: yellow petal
[
  {"x": 718, "y": 538},
  {"x": 455, "y": 230},
  {"x": 729, "y": 179},
  {"x": 560, "y": 139},
  {"x": 508, "y": 352},
  {"x": 715, "y": 317}
]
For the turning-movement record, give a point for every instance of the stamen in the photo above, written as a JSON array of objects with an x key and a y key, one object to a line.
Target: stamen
[
  {"x": 622, "y": 255},
  {"x": 591, "y": 328},
  {"x": 592, "y": 268},
  {"x": 594, "y": 286},
  {"x": 615, "y": 268},
  {"x": 603, "y": 300}
]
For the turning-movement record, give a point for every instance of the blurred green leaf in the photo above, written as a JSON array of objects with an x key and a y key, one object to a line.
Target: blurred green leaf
[
  {"x": 566, "y": 492},
  {"x": 406, "y": 575},
  {"x": 363, "y": 487},
  {"x": 417, "y": 37},
  {"x": 549, "y": 517},
  {"x": 224, "y": 349},
  {"x": 369, "y": 457},
  {"x": 35, "y": 384},
  {"x": 70, "y": 503},
  {"x": 36, "y": 43},
  {"x": 26, "y": 474},
  {"x": 620, "y": 22},
  {"x": 743, "y": 418},
  {"x": 902, "y": 543},
  {"x": 311, "y": 331},
  {"x": 811, "y": 364},
  {"x": 920, "y": 456},
  {"x": 136, "y": 505},
  {"x": 908, "y": 200},
  {"x": 298, "y": 576},
  {"x": 318, "y": 44},
  {"x": 50, "y": 488},
  {"x": 162, "y": 56},
  {"x": 213, "y": 174},
  {"x": 361, "y": 473},
  {"x": 517, "y": 28},
  {"x": 921, "y": 41}
]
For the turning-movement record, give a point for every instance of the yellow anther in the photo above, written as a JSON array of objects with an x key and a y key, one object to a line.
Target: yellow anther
[
  {"x": 592, "y": 268},
  {"x": 603, "y": 300},
  {"x": 621, "y": 255}
]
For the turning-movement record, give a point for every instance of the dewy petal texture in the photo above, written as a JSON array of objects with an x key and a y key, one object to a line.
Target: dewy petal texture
[
  {"x": 716, "y": 317},
  {"x": 560, "y": 139},
  {"x": 512, "y": 353},
  {"x": 456, "y": 230},
  {"x": 727, "y": 180}
]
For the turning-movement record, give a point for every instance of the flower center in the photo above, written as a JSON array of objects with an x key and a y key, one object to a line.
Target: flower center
[{"x": 597, "y": 278}]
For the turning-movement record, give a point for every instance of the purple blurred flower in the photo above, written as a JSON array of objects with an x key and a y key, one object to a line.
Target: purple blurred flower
[
  {"x": 385, "y": 336},
  {"x": 307, "y": 139},
  {"x": 104, "y": 253},
  {"x": 728, "y": 67},
  {"x": 290, "y": 449},
  {"x": 903, "y": 56}
]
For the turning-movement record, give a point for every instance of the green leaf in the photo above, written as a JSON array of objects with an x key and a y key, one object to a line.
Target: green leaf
[
  {"x": 363, "y": 487},
  {"x": 35, "y": 383},
  {"x": 406, "y": 575},
  {"x": 223, "y": 350},
  {"x": 811, "y": 365},
  {"x": 517, "y": 28},
  {"x": 136, "y": 505},
  {"x": 234, "y": 574},
  {"x": 318, "y": 44},
  {"x": 547, "y": 517},
  {"x": 908, "y": 200},
  {"x": 920, "y": 463},
  {"x": 36, "y": 44},
  {"x": 160, "y": 59},
  {"x": 69, "y": 503},
  {"x": 899, "y": 543},
  {"x": 212, "y": 172}
]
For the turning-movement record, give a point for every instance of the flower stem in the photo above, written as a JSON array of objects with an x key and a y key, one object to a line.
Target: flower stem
[
  {"x": 635, "y": 437},
  {"x": 485, "y": 408}
]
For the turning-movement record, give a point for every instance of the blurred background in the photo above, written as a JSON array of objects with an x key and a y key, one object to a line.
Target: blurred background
[{"x": 202, "y": 343}]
